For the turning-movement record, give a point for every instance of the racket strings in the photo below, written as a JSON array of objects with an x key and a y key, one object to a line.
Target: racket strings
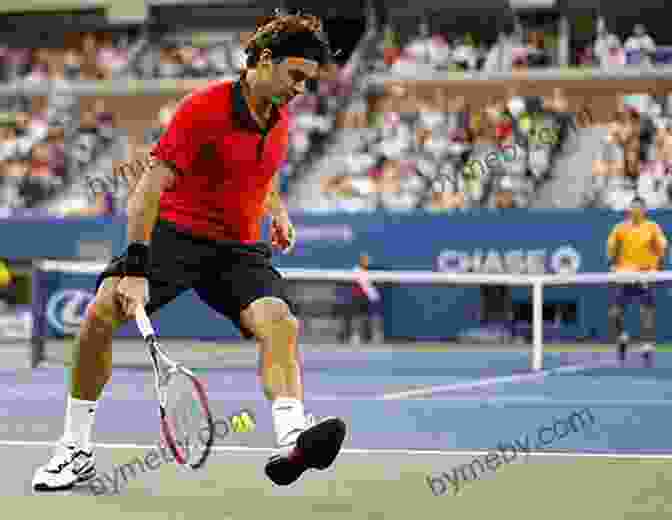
[{"x": 188, "y": 418}]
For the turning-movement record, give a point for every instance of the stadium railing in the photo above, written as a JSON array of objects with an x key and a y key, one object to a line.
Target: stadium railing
[{"x": 536, "y": 283}]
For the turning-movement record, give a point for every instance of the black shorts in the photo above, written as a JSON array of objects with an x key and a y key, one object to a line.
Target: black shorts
[
  {"x": 624, "y": 294},
  {"x": 227, "y": 276}
]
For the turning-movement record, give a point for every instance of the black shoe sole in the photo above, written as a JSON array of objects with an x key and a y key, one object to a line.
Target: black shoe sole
[
  {"x": 321, "y": 444},
  {"x": 316, "y": 448}
]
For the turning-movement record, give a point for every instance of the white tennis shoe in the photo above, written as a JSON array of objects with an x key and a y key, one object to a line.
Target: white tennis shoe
[{"x": 68, "y": 466}]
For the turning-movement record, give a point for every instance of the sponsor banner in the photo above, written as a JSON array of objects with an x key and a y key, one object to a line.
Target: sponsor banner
[{"x": 513, "y": 241}]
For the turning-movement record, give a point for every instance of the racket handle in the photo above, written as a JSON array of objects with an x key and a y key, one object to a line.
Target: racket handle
[{"x": 143, "y": 322}]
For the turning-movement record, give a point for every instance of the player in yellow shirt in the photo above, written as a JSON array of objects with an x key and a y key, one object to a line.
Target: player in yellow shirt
[{"x": 636, "y": 244}]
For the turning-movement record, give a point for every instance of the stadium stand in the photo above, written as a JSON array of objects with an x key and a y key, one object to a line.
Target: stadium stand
[{"x": 352, "y": 147}]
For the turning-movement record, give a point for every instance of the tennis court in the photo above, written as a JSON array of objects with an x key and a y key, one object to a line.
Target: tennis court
[{"x": 412, "y": 413}]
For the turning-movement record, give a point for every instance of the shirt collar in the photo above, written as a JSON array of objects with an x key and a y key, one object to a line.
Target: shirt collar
[{"x": 243, "y": 116}]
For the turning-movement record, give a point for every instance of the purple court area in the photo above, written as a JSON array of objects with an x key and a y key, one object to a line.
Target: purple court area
[{"x": 630, "y": 405}]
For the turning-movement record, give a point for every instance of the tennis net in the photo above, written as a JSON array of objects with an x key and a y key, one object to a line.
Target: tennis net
[{"x": 417, "y": 306}]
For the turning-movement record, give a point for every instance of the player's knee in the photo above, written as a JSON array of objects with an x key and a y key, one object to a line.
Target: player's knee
[{"x": 274, "y": 312}]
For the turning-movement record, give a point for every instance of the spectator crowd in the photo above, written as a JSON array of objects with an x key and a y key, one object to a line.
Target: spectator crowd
[
  {"x": 449, "y": 155},
  {"x": 444, "y": 154}
]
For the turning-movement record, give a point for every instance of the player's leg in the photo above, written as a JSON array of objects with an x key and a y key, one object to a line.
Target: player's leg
[
  {"x": 73, "y": 461},
  {"x": 92, "y": 360},
  {"x": 616, "y": 317},
  {"x": 303, "y": 445},
  {"x": 647, "y": 314},
  {"x": 256, "y": 302}
]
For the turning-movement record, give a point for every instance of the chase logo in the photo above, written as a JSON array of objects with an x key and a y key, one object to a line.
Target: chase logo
[{"x": 65, "y": 310}]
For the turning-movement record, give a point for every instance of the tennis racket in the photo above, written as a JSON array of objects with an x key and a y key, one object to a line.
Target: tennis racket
[{"x": 187, "y": 425}]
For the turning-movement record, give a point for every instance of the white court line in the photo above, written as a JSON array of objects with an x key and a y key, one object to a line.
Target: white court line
[
  {"x": 358, "y": 451},
  {"x": 516, "y": 378}
]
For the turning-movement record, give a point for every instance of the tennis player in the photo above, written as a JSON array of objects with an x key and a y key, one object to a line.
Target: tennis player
[
  {"x": 635, "y": 245},
  {"x": 196, "y": 206}
]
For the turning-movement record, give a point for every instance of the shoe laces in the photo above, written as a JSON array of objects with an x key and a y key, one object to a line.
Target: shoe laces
[{"x": 62, "y": 456}]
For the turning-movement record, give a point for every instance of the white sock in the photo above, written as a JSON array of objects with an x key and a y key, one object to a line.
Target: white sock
[
  {"x": 288, "y": 420},
  {"x": 79, "y": 418}
]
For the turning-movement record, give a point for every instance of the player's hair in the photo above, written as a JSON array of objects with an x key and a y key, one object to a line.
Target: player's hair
[{"x": 286, "y": 30}]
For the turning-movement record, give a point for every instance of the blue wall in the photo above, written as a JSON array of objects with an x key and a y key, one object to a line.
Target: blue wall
[{"x": 513, "y": 241}]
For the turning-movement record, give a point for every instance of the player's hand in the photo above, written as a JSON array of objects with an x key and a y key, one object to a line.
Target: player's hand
[
  {"x": 134, "y": 169},
  {"x": 131, "y": 292},
  {"x": 283, "y": 235}
]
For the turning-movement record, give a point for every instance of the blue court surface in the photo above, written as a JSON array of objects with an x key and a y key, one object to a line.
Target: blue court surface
[{"x": 585, "y": 433}]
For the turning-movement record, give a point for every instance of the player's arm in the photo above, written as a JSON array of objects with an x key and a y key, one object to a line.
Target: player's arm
[
  {"x": 175, "y": 154},
  {"x": 275, "y": 206},
  {"x": 283, "y": 234},
  {"x": 143, "y": 202},
  {"x": 659, "y": 242},
  {"x": 614, "y": 246}
]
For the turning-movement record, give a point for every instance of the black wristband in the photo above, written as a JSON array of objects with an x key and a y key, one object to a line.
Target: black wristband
[{"x": 136, "y": 262}]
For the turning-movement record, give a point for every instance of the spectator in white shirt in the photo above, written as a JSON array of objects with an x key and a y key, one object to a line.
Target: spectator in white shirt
[
  {"x": 642, "y": 42},
  {"x": 607, "y": 47}
]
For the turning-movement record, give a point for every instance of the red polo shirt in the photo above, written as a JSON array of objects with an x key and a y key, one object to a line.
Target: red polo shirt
[{"x": 226, "y": 164}]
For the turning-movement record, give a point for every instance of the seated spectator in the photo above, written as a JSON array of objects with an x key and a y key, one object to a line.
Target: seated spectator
[
  {"x": 8, "y": 138},
  {"x": 170, "y": 65},
  {"x": 653, "y": 184},
  {"x": 611, "y": 159},
  {"x": 642, "y": 42},
  {"x": 238, "y": 57},
  {"x": 87, "y": 140},
  {"x": 29, "y": 131},
  {"x": 428, "y": 49},
  {"x": 58, "y": 152},
  {"x": 465, "y": 56},
  {"x": 501, "y": 56},
  {"x": 391, "y": 48},
  {"x": 16, "y": 63},
  {"x": 194, "y": 61},
  {"x": 537, "y": 54},
  {"x": 614, "y": 55},
  {"x": 111, "y": 59},
  {"x": 350, "y": 194},
  {"x": 13, "y": 103},
  {"x": 399, "y": 189},
  {"x": 505, "y": 197},
  {"x": 40, "y": 183},
  {"x": 13, "y": 170},
  {"x": 663, "y": 143},
  {"x": 72, "y": 64},
  {"x": 607, "y": 48},
  {"x": 214, "y": 60},
  {"x": 443, "y": 202},
  {"x": 39, "y": 65}
]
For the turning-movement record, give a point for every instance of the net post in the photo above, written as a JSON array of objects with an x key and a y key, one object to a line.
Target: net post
[
  {"x": 37, "y": 336},
  {"x": 537, "y": 323}
]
